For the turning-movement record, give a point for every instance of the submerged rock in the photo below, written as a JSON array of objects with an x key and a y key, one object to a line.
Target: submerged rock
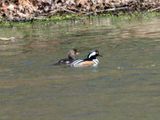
[{"x": 7, "y": 39}]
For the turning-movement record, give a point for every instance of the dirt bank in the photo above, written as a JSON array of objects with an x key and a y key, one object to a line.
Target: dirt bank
[{"x": 23, "y": 10}]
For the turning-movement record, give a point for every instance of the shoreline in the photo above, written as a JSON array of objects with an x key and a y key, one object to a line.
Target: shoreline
[
  {"x": 63, "y": 18},
  {"x": 29, "y": 10}
]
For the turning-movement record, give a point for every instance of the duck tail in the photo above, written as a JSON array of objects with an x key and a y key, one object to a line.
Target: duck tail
[{"x": 57, "y": 63}]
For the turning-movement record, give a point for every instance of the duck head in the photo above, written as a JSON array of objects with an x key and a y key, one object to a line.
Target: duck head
[
  {"x": 93, "y": 55},
  {"x": 72, "y": 54}
]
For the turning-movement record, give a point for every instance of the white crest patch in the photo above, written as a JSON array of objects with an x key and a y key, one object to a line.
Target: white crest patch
[{"x": 92, "y": 54}]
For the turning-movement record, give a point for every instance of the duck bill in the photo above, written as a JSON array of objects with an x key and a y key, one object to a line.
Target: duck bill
[{"x": 100, "y": 55}]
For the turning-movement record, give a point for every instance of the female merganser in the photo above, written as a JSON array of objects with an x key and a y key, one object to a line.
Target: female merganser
[
  {"x": 71, "y": 57},
  {"x": 91, "y": 60}
]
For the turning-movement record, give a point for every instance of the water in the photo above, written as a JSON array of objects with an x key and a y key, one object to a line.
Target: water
[{"x": 125, "y": 85}]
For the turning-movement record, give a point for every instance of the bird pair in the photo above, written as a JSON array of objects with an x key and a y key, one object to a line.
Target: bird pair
[{"x": 90, "y": 60}]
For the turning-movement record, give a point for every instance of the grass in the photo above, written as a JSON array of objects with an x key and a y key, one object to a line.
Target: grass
[{"x": 59, "y": 18}]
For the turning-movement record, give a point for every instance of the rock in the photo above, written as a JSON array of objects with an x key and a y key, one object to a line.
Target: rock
[{"x": 7, "y": 39}]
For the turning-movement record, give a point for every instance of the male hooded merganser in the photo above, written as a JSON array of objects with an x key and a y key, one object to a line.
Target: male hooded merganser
[
  {"x": 91, "y": 60},
  {"x": 70, "y": 58}
]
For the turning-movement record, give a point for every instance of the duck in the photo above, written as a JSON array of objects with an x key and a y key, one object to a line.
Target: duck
[
  {"x": 69, "y": 59},
  {"x": 90, "y": 61}
]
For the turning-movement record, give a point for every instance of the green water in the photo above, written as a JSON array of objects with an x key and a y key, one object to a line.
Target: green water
[{"x": 125, "y": 85}]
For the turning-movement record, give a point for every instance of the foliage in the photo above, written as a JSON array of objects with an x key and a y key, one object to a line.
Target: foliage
[{"x": 28, "y": 10}]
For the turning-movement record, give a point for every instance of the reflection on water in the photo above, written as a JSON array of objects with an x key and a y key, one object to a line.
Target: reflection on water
[{"x": 125, "y": 85}]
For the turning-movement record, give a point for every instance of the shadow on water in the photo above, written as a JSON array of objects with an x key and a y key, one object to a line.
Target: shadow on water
[{"x": 125, "y": 86}]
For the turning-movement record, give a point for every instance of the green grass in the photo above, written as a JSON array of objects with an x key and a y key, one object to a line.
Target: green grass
[{"x": 58, "y": 18}]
